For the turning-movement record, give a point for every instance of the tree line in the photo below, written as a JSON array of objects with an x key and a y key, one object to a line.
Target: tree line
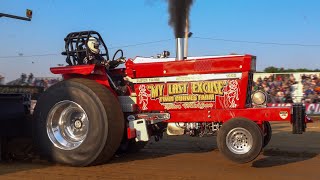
[{"x": 272, "y": 69}]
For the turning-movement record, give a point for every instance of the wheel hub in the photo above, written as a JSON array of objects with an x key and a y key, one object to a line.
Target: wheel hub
[
  {"x": 239, "y": 141},
  {"x": 78, "y": 124},
  {"x": 67, "y": 125}
]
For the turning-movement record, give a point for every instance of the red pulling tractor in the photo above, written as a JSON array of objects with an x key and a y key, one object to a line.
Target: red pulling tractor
[{"x": 103, "y": 107}]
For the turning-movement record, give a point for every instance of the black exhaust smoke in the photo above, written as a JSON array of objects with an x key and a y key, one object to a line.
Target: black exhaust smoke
[
  {"x": 179, "y": 21},
  {"x": 179, "y": 13}
]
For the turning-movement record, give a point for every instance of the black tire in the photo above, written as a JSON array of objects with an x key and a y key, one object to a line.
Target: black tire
[
  {"x": 131, "y": 146},
  {"x": 267, "y": 133},
  {"x": 247, "y": 129},
  {"x": 104, "y": 114}
]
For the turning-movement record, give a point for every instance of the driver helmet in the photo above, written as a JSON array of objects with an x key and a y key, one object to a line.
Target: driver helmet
[{"x": 93, "y": 45}]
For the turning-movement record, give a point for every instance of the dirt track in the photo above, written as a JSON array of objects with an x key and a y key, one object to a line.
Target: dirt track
[{"x": 286, "y": 157}]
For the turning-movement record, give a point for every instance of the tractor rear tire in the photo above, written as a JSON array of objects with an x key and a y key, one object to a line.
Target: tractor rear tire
[
  {"x": 240, "y": 140},
  {"x": 78, "y": 122},
  {"x": 267, "y": 133}
]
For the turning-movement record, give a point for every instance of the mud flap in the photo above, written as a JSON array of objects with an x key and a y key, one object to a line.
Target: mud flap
[{"x": 298, "y": 118}]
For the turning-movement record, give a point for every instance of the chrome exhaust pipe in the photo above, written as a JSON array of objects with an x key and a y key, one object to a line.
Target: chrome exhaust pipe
[{"x": 180, "y": 49}]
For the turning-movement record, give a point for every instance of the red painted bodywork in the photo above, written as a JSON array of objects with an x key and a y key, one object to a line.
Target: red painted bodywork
[
  {"x": 216, "y": 110},
  {"x": 79, "y": 69},
  {"x": 131, "y": 133},
  {"x": 93, "y": 72},
  {"x": 195, "y": 66},
  {"x": 221, "y": 107},
  {"x": 222, "y": 115}
]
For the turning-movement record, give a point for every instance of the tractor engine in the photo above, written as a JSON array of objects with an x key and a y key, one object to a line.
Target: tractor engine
[{"x": 193, "y": 129}]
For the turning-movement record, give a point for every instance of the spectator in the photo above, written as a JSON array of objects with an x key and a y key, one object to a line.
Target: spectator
[
  {"x": 311, "y": 88},
  {"x": 278, "y": 86}
]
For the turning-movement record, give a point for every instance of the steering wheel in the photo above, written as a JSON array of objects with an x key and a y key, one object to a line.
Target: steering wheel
[{"x": 115, "y": 54}]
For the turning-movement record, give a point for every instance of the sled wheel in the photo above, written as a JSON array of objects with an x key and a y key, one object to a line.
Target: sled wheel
[
  {"x": 267, "y": 133},
  {"x": 78, "y": 122},
  {"x": 131, "y": 146},
  {"x": 240, "y": 140}
]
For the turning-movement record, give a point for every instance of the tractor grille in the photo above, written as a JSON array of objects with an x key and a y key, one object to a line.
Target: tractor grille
[{"x": 249, "y": 90}]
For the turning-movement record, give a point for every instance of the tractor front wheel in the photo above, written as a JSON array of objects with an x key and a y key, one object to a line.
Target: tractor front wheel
[{"x": 240, "y": 140}]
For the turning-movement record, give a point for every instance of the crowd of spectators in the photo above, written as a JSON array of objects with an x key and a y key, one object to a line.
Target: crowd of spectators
[
  {"x": 278, "y": 86},
  {"x": 311, "y": 88},
  {"x": 280, "y": 89}
]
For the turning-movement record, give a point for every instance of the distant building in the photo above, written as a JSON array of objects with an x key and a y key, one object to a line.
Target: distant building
[{"x": 1, "y": 80}]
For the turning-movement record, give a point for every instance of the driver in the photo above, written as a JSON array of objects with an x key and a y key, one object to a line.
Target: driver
[{"x": 95, "y": 57}]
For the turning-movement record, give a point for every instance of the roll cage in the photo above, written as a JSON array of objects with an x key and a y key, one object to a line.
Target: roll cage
[{"x": 76, "y": 48}]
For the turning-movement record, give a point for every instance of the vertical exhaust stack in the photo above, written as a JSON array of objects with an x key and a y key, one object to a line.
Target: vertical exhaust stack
[
  {"x": 179, "y": 21},
  {"x": 185, "y": 48},
  {"x": 180, "y": 49},
  {"x": 186, "y": 36}
]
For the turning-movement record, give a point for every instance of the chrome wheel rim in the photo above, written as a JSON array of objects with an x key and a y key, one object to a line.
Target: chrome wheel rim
[
  {"x": 67, "y": 125},
  {"x": 239, "y": 141}
]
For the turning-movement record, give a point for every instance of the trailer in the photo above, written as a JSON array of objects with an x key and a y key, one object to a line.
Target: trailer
[{"x": 16, "y": 107}]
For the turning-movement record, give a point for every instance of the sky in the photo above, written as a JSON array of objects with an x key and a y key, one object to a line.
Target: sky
[{"x": 280, "y": 33}]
